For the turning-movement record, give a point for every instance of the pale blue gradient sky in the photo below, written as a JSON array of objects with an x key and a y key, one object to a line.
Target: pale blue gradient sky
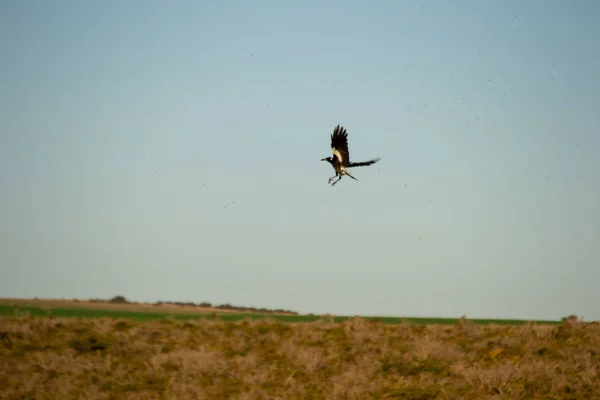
[{"x": 170, "y": 151}]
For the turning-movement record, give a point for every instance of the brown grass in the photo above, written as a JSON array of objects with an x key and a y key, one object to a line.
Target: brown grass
[
  {"x": 95, "y": 305},
  {"x": 50, "y": 358}
]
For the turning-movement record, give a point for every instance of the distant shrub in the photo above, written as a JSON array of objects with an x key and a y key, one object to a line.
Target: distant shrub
[
  {"x": 119, "y": 300},
  {"x": 572, "y": 320},
  {"x": 204, "y": 304}
]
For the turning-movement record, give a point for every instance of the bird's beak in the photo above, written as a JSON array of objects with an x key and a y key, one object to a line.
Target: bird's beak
[{"x": 323, "y": 159}]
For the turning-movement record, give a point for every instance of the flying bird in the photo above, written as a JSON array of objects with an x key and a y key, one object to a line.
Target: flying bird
[{"x": 341, "y": 156}]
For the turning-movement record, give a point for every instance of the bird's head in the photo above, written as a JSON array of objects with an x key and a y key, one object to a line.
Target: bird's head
[{"x": 328, "y": 159}]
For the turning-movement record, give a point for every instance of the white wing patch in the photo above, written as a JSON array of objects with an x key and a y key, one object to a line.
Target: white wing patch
[{"x": 338, "y": 155}]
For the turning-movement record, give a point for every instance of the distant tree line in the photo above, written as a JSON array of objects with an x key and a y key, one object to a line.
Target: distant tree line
[{"x": 262, "y": 310}]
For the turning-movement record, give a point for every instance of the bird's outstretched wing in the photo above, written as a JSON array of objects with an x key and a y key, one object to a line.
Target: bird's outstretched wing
[
  {"x": 364, "y": 163},
  {"x": 339, "y": 145}
]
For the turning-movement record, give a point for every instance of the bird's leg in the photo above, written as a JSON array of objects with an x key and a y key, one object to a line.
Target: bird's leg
[
  {"x": 332, "y": 178},
  {"x": 346, "y": 173},
  {"x": 333, "y": 184}
]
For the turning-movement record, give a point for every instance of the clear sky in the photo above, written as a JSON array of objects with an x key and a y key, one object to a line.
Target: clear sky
[{"x": 170, "y": 151}]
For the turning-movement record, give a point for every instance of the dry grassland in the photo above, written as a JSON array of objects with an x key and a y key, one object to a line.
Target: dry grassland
[
  {"x": 136, "y": 307},
  {"x": 51, "y": 358}
]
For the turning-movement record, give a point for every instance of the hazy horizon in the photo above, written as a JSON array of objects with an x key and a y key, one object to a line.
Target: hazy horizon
[{"x": 171, "y": 152}]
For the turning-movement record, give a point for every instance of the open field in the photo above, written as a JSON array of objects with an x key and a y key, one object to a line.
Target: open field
[
  {"x": 86, "y": 309},
  {"x": 105, "y": 358},
  {"x": 106, "y": 305}
]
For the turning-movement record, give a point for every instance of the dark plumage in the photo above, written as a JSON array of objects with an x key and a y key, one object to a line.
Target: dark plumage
[{"x": 341, "y": 156}]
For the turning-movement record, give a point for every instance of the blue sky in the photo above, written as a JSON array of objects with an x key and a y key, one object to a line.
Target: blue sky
[{"x": 170, "y": 151}]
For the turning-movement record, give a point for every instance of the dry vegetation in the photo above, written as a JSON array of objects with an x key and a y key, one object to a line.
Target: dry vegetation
[
  {"x": 50, "y": 358},
  {"x": 121, "y": 303}
]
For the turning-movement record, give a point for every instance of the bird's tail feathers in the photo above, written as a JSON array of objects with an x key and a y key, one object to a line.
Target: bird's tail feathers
[{"x": 364, "y": 163}]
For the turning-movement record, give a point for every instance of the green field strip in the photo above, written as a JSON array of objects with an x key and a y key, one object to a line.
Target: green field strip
[{"x": 17, "y": 311}]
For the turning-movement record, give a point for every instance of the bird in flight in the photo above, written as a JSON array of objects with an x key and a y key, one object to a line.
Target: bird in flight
[{"x": 341, "y": 156}]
